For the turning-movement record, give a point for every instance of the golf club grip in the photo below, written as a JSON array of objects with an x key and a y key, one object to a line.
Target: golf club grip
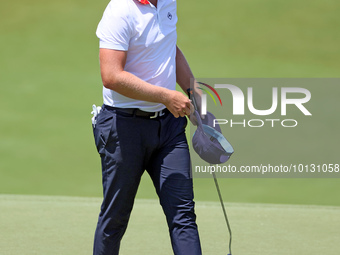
[{"x": 192, "y": 98}]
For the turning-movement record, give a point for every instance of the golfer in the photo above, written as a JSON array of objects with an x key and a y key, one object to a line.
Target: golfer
[{"x": 142, "y": 122}]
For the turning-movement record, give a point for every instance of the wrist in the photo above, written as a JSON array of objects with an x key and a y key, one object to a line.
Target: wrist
[{"x": 164, "y": 96}]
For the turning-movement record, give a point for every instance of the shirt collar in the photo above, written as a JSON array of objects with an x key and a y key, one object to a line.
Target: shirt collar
[{"x": 144, "y": 1}]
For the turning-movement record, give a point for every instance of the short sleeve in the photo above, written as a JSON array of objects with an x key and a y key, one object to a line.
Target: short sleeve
[{"x": 114, "y": 29}]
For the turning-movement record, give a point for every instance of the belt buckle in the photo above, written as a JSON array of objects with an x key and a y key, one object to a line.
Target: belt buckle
[
  {"x": 154, "y": 116},
  {"x": 158, "y": 114}
]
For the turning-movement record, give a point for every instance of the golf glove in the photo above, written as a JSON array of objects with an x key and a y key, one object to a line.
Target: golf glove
[{"x": 95, "y": 111}]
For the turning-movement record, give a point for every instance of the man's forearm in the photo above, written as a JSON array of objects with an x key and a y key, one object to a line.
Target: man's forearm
[
  {"x": 184, "y": 74},
  {"x": 131, "y": 86},
  {"x": 185, "y": 77}
]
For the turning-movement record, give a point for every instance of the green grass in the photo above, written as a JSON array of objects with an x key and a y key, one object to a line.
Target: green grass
[
  {"x": 50, "y": 78},
  {"x": 65, "y": 225},
  {"x": 261, "y": 38}
]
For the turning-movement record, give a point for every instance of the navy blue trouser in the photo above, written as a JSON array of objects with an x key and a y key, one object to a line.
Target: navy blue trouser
[{"x": 129, "y": 145}]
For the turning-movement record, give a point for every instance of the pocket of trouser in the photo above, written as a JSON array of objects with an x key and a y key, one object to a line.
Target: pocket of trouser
[{"x": 103, "y": 130}]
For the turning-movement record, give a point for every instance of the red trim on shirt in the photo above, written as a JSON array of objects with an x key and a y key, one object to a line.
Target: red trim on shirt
[{"x": 144, "y": 1}]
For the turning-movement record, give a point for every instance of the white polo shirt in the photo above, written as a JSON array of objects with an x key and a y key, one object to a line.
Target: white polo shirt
[{"x": 148, "y": 34}]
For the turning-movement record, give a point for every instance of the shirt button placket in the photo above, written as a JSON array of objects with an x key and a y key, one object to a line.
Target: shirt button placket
[{"x": 159, "y": 20}]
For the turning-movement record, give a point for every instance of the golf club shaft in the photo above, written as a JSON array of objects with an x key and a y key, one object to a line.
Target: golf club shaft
[{"x": 224, "y": 211}]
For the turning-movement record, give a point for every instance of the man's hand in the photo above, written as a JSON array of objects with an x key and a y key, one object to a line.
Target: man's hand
[
  {"x": 178, "y": 104},
  {"x": 196, "y": 95}
]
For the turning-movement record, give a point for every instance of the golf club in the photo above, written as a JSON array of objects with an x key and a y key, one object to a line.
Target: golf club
[{"x": 226, "y": 148}]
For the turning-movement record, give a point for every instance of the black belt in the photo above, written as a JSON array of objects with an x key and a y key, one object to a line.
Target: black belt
[{"x": 137, "y": 112}]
